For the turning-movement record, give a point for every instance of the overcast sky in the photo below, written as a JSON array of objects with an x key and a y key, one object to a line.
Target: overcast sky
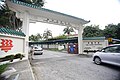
[{"x": 99, "y": 12}]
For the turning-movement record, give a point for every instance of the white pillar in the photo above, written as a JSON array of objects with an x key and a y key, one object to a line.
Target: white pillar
[
  {"x": 25, "y": 29},
  {"x": 80, "y": 40}
]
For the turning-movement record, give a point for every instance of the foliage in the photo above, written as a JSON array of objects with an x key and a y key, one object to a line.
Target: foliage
[
  {"x": 8, "y": 18},
  {"x": 112, "y": 30},
  {"x": 61, "y": 37},
  {"x": 68, "y": 30},
  {"x": 10, "y": 57},
  {"x": 19, "y": 56},
  {"x": 3, "y": 68},
  {"x": 92, "y": 31},
  {"x": 47, "y": 33},
  {"x": 37, "y": 37}
]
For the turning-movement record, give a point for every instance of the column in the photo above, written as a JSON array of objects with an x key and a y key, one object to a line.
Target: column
[
  {"x": 25, "y": 29},
  {"x": 80, "y": 40}
]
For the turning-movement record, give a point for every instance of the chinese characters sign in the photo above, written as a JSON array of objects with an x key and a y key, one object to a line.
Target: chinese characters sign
[{"x": 6, "y": 44}]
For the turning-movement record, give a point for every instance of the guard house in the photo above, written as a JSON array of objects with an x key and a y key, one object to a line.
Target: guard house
[{"x": 30, "y": 13}]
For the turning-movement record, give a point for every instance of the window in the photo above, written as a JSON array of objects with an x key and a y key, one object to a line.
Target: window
[
  {"x": 88, "y": 42},
  {"x": 112, "y": 49},
  {"x": 91, "y": 42},
  {"x": 98, "y": 42}
]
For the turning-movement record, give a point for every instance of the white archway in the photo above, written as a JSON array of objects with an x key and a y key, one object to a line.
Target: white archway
[{"x": 31, "y": 13}]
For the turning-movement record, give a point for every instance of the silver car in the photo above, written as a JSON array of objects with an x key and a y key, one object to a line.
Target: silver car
[
  {"x": 110, "y": 55},
  {"x": 37, "y": 50}
]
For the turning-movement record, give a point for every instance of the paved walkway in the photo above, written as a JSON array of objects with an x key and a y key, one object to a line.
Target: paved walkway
[{"x": 24, "y": 70}]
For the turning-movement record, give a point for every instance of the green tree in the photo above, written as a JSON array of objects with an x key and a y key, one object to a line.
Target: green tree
[
  {"x": 68, "y": 30},
  {"x": 58, "y": 37},
  {"x": 8, "y": 18},
  {"x": 37, "y": 37},
  {"x": 112, "y": 30},
  {"x": 118, "y": 31},
  {"x": 32, "y": 38},
  {"x": 61, "y": 37},
  {"x": 47, "y": 33},
  {"x": 92, "y": 31}
]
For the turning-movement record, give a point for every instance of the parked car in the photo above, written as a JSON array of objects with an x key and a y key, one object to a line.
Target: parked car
[
  {"x": 37, "y": 50},
  {"x": 110, "y": 55}
]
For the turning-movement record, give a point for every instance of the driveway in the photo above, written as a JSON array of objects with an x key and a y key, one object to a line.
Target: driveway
[{"x": 62, "y": 66}]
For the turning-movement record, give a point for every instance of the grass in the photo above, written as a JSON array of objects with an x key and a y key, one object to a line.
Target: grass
[{"x": 3, "y": 68}]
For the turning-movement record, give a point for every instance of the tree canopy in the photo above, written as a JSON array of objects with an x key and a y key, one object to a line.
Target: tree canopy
[
  {"x": 111, "y": 30},
  {"x": 8, "y": 18},
  {"x": 47, "y": 33},
  {"x": 92, "y": 31},
  {"x": 37, "y": 37}
]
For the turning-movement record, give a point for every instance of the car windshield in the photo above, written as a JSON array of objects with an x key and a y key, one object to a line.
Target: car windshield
[{"x": 36, "y": 47}]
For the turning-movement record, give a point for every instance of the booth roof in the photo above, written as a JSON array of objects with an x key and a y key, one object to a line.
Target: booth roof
[{"x": 33, "y": 9}]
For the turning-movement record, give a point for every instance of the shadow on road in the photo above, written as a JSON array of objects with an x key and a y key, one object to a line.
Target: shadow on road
[{"x": 117, "y": 68}]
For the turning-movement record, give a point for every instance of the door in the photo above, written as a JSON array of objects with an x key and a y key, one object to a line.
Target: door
[{"x": 111, "y": 54}]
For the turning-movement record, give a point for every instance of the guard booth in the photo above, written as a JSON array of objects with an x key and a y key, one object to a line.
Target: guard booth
[{"x": 73, "y": 48}]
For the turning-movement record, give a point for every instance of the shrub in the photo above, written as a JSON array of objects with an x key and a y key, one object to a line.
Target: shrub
[
  {"x": 3, "y": 68},
  {"x": 18, "y": 56},
  {"x": 10, "y": 57}
]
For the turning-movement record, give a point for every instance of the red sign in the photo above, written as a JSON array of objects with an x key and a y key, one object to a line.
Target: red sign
[{"x": 6, "y": 45}]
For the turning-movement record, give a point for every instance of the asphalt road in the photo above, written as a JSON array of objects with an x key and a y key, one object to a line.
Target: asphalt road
[{"x": 62, "y": 66}]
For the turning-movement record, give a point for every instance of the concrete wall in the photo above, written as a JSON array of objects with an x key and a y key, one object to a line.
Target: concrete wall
[
  {"x": 10, "y": 44},
  {"x": 92, "y": 45}
]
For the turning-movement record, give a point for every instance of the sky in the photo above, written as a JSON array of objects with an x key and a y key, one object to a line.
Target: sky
[{"x": 99, "y": 12}]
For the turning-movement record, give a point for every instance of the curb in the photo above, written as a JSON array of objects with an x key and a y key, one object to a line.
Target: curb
[{"x": 31, "y": 71}]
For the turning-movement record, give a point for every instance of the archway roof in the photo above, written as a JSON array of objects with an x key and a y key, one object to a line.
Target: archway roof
[{"x": 38, "y": 14}]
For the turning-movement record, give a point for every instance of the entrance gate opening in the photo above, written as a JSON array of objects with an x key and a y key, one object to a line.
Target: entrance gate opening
[{"x": 31, "y": 13}]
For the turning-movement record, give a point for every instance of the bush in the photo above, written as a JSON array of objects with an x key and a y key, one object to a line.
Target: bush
[
  {"x": 3, "y": 68},
  {"x": 18, "y": 56},
  {"x": 10, "y": 57}
]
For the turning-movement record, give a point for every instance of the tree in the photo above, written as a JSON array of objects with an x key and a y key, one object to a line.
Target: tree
[
  {"x": 37, "y": 37},
  {"x": 58, "y": 37},
  {"x": 32, "y": 38},
  {"x": 118, "y": 31},
  {"x": 47, "y": 33},
  {"x": 8, "y": 18},
  {"x": 92, "y": 31},
  {"x": 68, "y": 30},
  {"x": 112, "y": 31}
]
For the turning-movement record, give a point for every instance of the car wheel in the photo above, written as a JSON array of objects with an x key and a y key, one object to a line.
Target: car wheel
[{"x": 97, "y": 60}]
